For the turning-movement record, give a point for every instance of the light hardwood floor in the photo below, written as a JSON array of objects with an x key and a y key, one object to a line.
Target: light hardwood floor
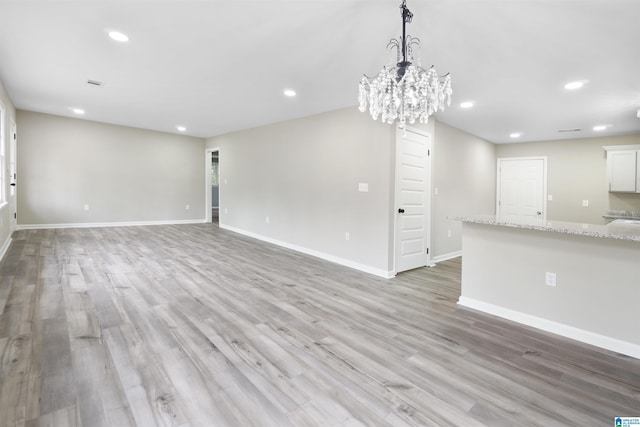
[{"x": 191, "y": 325}]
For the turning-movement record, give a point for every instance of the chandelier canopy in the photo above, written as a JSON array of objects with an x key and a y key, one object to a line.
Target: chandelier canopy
[{"x": 404, "y": 92}]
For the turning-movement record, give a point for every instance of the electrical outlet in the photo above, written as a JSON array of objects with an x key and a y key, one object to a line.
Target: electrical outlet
[
  {"x": 550, "y": 197},
  {"x": 448, "y": 233},
  {"x": 550, "y": 279},
  {"x": 187, "y": 207},
  {"x": 347, "y": 236},
  {"x": 86, "y": 207},
  {"x": 225, "y": 210},
  {"x": 267, "y": 220},
  {"x": 585, "y": 203}
]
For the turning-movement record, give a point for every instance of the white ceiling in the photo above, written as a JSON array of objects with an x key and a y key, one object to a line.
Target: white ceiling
[{"x": 216, "y": 66}]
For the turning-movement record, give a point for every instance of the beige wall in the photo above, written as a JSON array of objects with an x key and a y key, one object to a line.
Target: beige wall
[
  {"x": 597, "y": 290},
  {"x": 125, "y": 175},
  {"x": 576, "y": 172},
  {"x": 304, "y": 174},
  {"x": 5, "y": 212},
  {"x": 464, "y": 175}
]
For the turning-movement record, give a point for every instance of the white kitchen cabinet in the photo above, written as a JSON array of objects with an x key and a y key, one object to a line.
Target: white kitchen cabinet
[{"x": 622, "y": 168}]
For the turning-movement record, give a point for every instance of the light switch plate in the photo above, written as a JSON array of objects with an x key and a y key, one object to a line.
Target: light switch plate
[
  {"x": 363, "y": 187},
  {"x": 550, "y": 279}
]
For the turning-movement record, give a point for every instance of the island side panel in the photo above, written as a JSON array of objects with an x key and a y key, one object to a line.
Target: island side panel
[{"x": 597, "y": 281}]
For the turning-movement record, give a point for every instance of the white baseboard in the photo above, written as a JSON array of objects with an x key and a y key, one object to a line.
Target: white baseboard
[
  {"x": 598, "y": 340},
  {"x": 5, "y": 247},
  {"x": 327, "y": 257},
  {"x": 446, "y": 257},
  {"x": 108, "y": 224}
]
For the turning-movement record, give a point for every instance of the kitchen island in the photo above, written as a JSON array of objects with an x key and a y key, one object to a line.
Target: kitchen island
[{"x": 581, "y": 281}]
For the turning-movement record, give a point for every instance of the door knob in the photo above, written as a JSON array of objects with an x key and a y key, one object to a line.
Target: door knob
[
  {"x": 400, "y": 210},
  {"x": 539, "y": 212},
  {"x": 13, "y": 184}
]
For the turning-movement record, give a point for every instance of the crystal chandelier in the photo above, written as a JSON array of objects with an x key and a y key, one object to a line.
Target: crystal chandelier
[{"x": 404, "y": 92}]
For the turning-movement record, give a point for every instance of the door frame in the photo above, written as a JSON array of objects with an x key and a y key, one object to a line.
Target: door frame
[
  {"x": 428, "y": 194},
  {"x": 13, "y": 180},
  {"x": 207, "y": 187},
  {"x": 544, "y": 180}
]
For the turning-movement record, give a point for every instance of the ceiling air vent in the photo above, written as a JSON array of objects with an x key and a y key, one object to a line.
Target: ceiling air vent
[
  {"x": 94, "y": 83},
  {"x": 569, "y": 130}
]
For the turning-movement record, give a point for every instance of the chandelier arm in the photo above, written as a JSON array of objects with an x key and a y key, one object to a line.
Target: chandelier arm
[{"x": 395, "y": 43}]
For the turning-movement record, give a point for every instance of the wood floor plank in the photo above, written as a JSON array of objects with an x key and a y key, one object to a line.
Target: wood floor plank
[
  {"x": 191, "y": 325},
  {"x": 100, "y": 394},
  {"x": 138, "y": 368},
  {"x": 65, "y": 417}
]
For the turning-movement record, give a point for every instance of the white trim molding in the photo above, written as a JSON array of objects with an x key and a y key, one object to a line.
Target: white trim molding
[
  {"x": 567, "y": 331},
  {"x": 446, "y": 257},
  {"x": 109, "y": 224},
  {"x": 327, "y": 257},
  {"x": 5, "y": 248},
  {"x": 207, "y": 184}
]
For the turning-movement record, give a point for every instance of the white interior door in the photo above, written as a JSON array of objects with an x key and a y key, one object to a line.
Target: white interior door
[
  {"x": 13, "y": 177},
  {"x": 521, "y": 189},
  {"x": 413, "y": 197}
]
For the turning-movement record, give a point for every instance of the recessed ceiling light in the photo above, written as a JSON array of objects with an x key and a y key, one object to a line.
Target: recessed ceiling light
[
  {"x": 600, "y": 128},
  {"x": 515, "y": 135},
  {"x": 466, "y": 104},
  {"x": 181, "y": 128},
  {"x": 78, "y": 110},
  {"x": 290, "y": 93},
  {"x": 118, "y": 36},
  {"x": 574, "y": 85}
]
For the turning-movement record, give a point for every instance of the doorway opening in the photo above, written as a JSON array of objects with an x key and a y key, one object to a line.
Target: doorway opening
[{"x": 212, "y": 197}]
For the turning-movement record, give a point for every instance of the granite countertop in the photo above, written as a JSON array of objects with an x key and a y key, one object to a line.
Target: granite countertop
[
  {"x": 617, "y": 214},
  {"x": 622, "y": 229}
]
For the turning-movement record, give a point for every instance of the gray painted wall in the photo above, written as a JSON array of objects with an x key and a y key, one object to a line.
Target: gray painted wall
[
  {"x": 303, "y": 174},
  {"x": 124, "y": 174},
  {"x": 577, "y": 171},
  {"x": 597, "y": 282},
  {"x": 464, "y": 174},
  {"x": 10, "y": 114}
]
